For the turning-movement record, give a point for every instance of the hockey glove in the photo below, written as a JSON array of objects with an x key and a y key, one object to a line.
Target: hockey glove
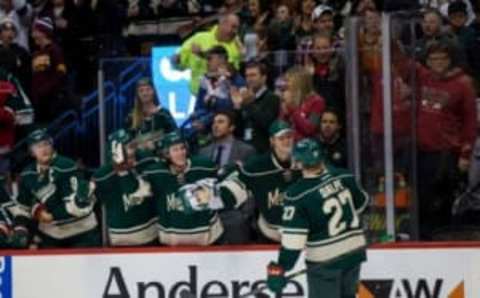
[
  {"x": 276, "y": 280},
  {"x": 20, "y": 237}
]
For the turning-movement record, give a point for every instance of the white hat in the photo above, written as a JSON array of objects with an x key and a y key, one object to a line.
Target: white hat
[{"x": 320, "y": 10}]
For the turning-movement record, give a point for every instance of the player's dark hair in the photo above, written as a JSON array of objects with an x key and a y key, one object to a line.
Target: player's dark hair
[{"x": 229, "y": 114}]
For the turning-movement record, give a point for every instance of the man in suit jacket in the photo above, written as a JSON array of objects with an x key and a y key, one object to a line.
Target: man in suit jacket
[
  {"x": 256, "y": 107},
  {"x": 226, "y": 151}
]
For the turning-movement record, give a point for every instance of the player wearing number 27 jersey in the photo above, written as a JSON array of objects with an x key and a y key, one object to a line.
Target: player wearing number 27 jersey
[{"x": 322, "y": 215}]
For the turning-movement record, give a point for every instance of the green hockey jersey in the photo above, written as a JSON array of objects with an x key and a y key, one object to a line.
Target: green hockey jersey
[
  {"x": 130, "y": 209},
  {"x": 6, "y": 204},
  {"x": 52, "y": 189},
  {"x": 175, "y": 226},
  {"x": 263, "y": 177},
  {"x": 322, "y": 213}
]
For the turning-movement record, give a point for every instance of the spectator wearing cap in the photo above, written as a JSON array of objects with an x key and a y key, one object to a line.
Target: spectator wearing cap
[
  {"x": 322, "y": 17},
  {"x": 49, "y": 72},
  {"x": 442, "y": 6},
  {"x": 446, "y": 130},
  {"x": 457, "y": 16},
  {"x": 20, "y": 12},
  {"x": 214, "y": 93},
  {"x": 19, "y": 60},
  {"x": 323, "y": 23},
  {"x": 193, "y": 51}
]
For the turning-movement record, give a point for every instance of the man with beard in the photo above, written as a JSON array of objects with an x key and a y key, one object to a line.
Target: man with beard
[{"x": 331, "y": 139}]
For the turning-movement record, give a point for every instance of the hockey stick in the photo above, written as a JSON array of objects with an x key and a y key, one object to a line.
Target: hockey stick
[{"x": 258, "y": 292}]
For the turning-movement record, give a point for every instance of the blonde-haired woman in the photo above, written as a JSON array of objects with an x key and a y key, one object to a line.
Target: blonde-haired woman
[
  {"x": 149, "y": 120},
  {"x": 302, "y": 107}
]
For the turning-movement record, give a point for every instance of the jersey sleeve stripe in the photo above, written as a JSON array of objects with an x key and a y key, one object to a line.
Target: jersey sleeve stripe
[
  {"x": 294, "y": 241},
  {"x": 299, "y": 196}
]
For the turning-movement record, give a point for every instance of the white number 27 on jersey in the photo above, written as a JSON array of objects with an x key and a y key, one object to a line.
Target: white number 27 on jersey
[{"x": 335, "y": 205}]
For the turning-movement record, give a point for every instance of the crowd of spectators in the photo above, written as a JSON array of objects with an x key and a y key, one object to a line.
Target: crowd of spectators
[{"x": 257, "y": 63}]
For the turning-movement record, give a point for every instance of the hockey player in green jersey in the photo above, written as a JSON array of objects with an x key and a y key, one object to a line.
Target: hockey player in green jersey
[
  {"x": 167, "y": 178},
  {"x": 131, "y": 218},
  {"x": 321, "y": 214},
  {"x": 53, "y": 195},
  {"x": 266, "y": 178},
  {"x": 6, "y": 218}
]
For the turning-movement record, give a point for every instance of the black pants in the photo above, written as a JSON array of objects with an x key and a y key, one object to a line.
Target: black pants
[{"x": 438, "y": 177}]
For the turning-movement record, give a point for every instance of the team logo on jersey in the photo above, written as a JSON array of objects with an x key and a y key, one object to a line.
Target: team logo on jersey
[
  {"x": 174, "y": 203},
  {"x": 275, "y": 198},
  {"x": 130, "y": 200}
]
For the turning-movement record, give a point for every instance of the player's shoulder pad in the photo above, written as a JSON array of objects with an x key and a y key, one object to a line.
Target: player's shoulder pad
[
  {"x": 258, "y": 165},
  {"x": 156, "y": 168},
  {"x": 29, "y": 170},
  {"x": 201, "y": 163},
  {"x": 103, "y": 173},
  {"x": 339, "y": 172},
  {"x": 298, "y": 190},
  {"x": 63, "y": 164}
]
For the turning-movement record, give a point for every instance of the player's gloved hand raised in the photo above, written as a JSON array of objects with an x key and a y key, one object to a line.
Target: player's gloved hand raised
[
  {"x": 276, "y": 280},
  {"x": 20, "y": 237}
]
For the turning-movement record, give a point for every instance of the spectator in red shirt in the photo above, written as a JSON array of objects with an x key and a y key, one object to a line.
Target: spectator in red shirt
[
  {"x": 446, "y": 130},
  {"x": 301, "y": 106},
  {"x": 7, "y": 124},
  {"x": 48, "y": 72}
]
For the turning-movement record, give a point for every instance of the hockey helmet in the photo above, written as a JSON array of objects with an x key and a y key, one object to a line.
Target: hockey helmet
[
  {"x": 37, "y": 136},
  {"x": 308, "y": 152}
]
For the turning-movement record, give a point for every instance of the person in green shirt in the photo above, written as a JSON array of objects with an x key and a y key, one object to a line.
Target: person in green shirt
[
  {"x": 128, "y": 199},
  {"x": 321, "y": 215},
  {"x": 168, "y": 177},
  {"x": 266, "y": 177},
  {"x": 193, "y": 51},
  {"x": 54, "y": 196}
]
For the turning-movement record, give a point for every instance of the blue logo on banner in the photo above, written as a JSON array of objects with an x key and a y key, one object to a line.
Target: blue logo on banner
[
  {"x": 171, "y": 85},
  {"x": 6, "y": 277}
]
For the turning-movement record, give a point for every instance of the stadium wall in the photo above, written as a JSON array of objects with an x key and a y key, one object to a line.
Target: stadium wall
[{"x": 407, "y": 270}]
